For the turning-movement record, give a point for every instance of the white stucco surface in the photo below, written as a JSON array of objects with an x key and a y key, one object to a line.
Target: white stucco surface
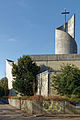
[{"x": 9, "y": 73}]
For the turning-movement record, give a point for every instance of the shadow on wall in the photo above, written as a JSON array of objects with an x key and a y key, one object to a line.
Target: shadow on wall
[
  {"x": 12, "y": 92},
  {"x": 44, "y": 68}
]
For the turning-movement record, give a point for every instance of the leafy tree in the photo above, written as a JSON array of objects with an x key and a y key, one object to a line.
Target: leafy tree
[
  {"x": 4, "y": 86},
  {"x": 24, "y": 73},
  {"x": 1, "y": 91},
  {"x": 67, "y": 82}
]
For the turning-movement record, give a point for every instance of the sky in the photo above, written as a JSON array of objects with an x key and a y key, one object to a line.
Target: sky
[{"x": 27, "y": 27}]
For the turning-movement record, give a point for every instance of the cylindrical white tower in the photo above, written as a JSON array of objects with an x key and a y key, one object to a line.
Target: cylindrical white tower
[{"x": 65, "y": 38}]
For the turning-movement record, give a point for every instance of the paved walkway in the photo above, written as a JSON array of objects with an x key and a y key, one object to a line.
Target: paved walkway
[{"x": 8, "y": 112}]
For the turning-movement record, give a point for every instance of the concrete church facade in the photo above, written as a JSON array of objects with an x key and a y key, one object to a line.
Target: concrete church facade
[
  {"x": 65, "y": 53},
  {"x": 65, "y": 38}
]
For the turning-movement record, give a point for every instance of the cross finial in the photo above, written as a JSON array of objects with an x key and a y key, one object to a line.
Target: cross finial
[{"x": 65, "y": 13}]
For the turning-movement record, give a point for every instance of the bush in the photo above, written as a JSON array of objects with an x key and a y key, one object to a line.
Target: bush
[{"x": 67, "y": 82}]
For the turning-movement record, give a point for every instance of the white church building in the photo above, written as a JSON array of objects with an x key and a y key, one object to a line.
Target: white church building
[{"x": 65, "y": 52}]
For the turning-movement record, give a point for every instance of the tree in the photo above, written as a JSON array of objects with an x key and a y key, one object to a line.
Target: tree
[
  {"x": 4, "y": 86},
  {"x": 24, "y": 73},
  {"x": 1, "y": 91},
  {"x": 67, "y": 82}
]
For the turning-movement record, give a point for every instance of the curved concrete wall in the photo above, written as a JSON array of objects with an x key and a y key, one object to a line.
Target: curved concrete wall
[{"x": 64, "y": 38}]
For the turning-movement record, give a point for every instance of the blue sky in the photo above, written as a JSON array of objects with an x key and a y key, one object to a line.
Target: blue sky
[{"x": 28, "y": 27}]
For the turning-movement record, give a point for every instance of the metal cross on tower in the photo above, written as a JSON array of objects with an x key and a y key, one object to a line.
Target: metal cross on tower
[{"x": 65, "y": 13}]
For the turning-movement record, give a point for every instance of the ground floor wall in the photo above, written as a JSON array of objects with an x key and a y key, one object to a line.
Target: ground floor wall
[
  {"x": 44, "y": 86},
  {"x": 55, "y": 65}
]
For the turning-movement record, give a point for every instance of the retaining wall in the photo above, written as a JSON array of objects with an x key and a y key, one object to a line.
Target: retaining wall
[
  {"x": 39, "y": 106},
  {"x": 72, "y": 108}
]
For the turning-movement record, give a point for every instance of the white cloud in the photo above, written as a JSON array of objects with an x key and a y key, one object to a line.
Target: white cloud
[
  {"x": 12, "y": 40},
  {"x": 8, "y": 38}
]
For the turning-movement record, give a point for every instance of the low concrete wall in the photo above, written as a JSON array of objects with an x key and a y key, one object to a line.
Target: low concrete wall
[
  {"x": 42, "y": 107},
  {"x": 72, "y": 108},
  {"x": 15, "y": 102},
  {"x": 39, "y": 107}
]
